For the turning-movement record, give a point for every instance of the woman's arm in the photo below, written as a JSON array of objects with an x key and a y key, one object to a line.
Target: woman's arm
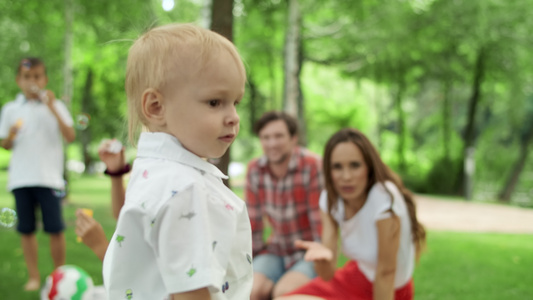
[
  {"x": 388, "y": 245},
  {"x": 324, "y": 254}
]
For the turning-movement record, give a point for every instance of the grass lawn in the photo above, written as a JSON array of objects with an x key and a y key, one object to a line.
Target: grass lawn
[{"x": 455, "y": 265}]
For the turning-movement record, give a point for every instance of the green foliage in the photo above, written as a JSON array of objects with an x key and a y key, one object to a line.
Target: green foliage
[
  {"x": 390, "y": 68},
  {"x": 454, "y": 265}
]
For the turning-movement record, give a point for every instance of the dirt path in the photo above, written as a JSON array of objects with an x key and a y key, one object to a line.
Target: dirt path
[{"x": 474, "y": 217}]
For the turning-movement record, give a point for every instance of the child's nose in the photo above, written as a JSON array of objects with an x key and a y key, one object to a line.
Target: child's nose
[{"x": 233, "y": 118}]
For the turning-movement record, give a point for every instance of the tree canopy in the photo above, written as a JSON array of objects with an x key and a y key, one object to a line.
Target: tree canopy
[{"x": 424, "y": 79}]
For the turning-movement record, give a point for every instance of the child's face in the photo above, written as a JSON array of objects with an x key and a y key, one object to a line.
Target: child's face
[
  {"x": 201, "y": 112},
  {"x": 32, "y": 80}
]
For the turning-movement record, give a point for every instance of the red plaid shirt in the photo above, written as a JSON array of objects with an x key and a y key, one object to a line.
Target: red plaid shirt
[{"x": 290, "y": 204}]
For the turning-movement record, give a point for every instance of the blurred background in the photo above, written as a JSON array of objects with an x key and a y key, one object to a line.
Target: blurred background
[{"x": 442, "y": 87}]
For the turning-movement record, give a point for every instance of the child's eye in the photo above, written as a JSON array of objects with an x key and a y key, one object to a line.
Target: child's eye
[
  {"x": 237, "y": 102},
  {"x": 214, "y": 103}
]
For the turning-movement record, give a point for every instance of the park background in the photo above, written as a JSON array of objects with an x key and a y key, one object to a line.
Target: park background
[{"x": 443, "y": 88}]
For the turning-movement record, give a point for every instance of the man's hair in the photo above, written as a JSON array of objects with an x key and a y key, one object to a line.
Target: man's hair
[
  {"x": 30, "y": 62},
  {"x": 165, "y": 56},
  {"x": 269, "y": 116}
]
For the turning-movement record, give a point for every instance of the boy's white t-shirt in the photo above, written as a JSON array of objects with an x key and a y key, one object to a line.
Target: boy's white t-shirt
[
  {"x": 180, "y": 229},
  {"x": 360, "y": 235},
  {"x": 37, "y": 153}
]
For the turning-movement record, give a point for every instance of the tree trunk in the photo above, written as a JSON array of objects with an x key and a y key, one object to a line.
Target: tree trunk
[
  {"x": 401, "y": 126},
  {"x": 302, "y": 137},
  {"x": 205, "y": 19},
  {"x": 291, "y": 66},
  {"x": 85, "y": 132},
  {"x": 256, "y": 101},
  {"x": 512, "y": 180},
  {"x": 446, "y": 121},
  {"x": 67, "y": 64},
  {"x": 67, "y": 75},
  {"x": 469, "y": 136},
  {"x": 222, "y": 23}
]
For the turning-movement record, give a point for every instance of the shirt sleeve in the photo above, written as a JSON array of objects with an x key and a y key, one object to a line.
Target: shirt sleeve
[
  {"x": 381, "y": 196},
  {"x": 255, "y": 212},
  {"x": 4, "y": 122},
  {"x": 313, "y": 195},
  {"x": 184, "y": 241},
  {"x": 63, "y": 112},
  {"x": 323, "y": 201}
]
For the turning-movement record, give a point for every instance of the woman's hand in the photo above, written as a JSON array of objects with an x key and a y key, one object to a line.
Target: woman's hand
[{"x": 316, "y": 252}]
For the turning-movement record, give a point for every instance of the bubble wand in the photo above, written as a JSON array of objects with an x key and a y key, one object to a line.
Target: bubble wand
[{"x": 40, "y": 92}]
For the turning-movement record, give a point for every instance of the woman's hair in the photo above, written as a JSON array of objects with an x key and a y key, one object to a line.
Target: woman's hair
[
  {"x": 377, "y": 172},
  {"x": 166, "y": 56}
]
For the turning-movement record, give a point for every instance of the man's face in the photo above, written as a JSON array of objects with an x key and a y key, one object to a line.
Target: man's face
[
  {"x": 277, "y": 142},
  {"x": 32, "y": 80}
]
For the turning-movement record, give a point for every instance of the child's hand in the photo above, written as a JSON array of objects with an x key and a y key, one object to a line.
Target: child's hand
[
  {"x": 13, "y": 130},
  {"x": 47, "y": 97},
  {"x": 315, "y": 251},
  {"x": 113, "y": 160},
  {"x": 91, "y": 233}
]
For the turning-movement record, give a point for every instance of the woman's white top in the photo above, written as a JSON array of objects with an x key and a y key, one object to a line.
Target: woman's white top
[{"x": 360, "y": 235}]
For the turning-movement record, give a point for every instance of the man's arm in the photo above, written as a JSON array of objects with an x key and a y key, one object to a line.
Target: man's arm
[
  {"x": 313, "y": 195},
  {"x": 255, "y": 214}
]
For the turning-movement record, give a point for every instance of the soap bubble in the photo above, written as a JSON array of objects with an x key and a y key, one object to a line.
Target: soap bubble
[
  {"x": 82, "y": 121},
  {"x": 61, "y": 193},
  {"x": 8, "y": 217}
]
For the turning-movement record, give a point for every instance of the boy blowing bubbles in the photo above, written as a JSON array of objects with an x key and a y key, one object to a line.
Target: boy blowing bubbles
[
  {"x": 32, "y": 127},
  {"x": 182, "y": 234}
]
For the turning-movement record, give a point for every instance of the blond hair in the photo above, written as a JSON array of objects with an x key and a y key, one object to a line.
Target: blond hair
[{"x": 168, "y": 54}]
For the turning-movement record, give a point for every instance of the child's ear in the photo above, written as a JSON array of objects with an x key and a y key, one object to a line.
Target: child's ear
[
  {"x": 152, "y": 107},
  {"x": 17, "y": 80}
]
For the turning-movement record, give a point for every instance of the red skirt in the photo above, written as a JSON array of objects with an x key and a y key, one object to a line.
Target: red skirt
[{"x": 348, "y": 283}]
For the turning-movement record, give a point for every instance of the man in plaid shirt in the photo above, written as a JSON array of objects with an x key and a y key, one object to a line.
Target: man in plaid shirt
[{"x": 282, "y": 188}]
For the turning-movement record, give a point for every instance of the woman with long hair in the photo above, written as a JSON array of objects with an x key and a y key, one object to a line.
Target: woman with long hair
[{"x": 377, "y": 219}]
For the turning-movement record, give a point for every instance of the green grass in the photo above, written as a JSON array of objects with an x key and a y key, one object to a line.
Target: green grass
[{"x": 454, "y": 266}]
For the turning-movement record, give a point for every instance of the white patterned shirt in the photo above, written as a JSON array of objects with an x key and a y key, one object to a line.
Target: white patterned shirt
[{"x": 181, "y": 229}]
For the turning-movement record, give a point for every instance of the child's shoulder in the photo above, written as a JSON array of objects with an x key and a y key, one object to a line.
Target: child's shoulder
[{"x": 14, "y": 103}]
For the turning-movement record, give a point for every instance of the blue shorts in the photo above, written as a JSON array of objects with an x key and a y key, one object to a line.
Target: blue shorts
[
  {"x": 273, "y": 268},
  {"x": 28, "y": 199}
]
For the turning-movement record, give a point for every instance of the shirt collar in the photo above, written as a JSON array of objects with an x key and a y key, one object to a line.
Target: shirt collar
[
  {"x": 166, "y": 146},
  {"x": 22, "y": 99}
]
